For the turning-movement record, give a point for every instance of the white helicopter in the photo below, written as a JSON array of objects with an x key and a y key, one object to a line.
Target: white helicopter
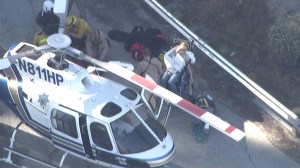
[{"x": 88, "y": 115}]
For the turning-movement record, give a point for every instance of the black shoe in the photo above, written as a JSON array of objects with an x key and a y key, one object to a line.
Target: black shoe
[{"x": 192, "y": 99}]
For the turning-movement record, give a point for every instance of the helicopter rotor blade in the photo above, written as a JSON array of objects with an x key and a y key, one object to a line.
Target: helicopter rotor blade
[
  {"x": 176, "y": 100},
  {"x": 4, "y": 63},
  {"x": 10, "y": 59}
]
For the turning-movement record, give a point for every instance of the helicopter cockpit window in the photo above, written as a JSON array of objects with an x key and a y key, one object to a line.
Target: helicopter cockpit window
[
  {"x": 64, "y": 122},
  {"x": 129, "y": 94},
  {"x": 154, "y": 124},
  {"x": 100, "y": 136},
  {"x": 131, "y": 135},
  {"x": 153, "y": 100},
  {"x": 110, "y": 109}
]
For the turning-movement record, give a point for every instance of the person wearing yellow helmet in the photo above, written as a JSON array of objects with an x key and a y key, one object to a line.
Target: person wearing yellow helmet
[
  {"x": 47, "y": 20},
  {"x": 78, "y": 29},
  {"x": 40, "y": 38}
]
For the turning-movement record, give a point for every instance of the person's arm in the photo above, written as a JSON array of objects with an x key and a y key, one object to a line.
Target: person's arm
[
  {"x": 52, "y": 26},
  {"x": 189, "y": 69},
  {"x": 139, "y": 69},
  {"x": 39, "y": 20},
  {"x": 168, "y": 58},
  {"x": 89, "y": 47},
  {"x": 103, "y": 53},
  {"x": 103, "y": 46}
]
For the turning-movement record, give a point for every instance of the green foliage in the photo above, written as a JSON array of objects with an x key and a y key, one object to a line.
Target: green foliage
[{"x": 284, "y": 42}]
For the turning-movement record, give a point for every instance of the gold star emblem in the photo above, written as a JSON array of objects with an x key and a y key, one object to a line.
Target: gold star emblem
[{"x": 43, "y": 99}]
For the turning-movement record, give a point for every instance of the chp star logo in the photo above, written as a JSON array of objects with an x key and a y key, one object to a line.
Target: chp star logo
[{"x": 43, "y": 99}]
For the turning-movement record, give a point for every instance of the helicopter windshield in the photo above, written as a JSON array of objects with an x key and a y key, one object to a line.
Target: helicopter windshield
[
  {"x": 131, "y": 135},
  {"x": 155, "y": 126}
]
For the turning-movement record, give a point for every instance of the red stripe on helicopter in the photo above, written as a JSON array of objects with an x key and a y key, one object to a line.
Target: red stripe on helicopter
[
  {"x": 150, "y": 85},
  {"x": 230, "y": 129},
  {"x": 191, "y": 107}
]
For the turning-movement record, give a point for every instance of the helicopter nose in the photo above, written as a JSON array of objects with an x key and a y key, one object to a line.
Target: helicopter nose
[{"x": 168, "y": 148}]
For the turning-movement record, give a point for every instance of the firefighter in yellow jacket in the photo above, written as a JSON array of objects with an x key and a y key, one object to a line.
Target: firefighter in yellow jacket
[
  {"x": 40, "y": 38},
  {"x": 78, "y": 29}
]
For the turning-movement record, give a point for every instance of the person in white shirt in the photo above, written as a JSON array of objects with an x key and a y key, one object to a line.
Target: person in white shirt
[{"x": 175, "y": 60}]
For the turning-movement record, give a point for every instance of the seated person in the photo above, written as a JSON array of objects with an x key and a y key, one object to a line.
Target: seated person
[{"x": 176, "y": 59}]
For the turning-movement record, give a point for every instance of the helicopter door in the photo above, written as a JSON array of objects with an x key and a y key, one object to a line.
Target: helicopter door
[
  {"x": 64, "y": 130},
  {"x": 85, "y": 136},
  {"x": 151, "y": 100},
  {"x": 101, "y": 141}
]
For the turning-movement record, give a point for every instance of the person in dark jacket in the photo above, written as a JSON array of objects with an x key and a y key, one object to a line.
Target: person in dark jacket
[{"x": 47, "y": 20}]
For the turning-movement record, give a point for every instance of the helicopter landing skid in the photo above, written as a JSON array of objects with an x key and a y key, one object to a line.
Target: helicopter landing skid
[{"x": 11, "y": 151}]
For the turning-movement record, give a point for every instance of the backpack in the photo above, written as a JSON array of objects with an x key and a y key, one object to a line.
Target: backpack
[
  {"x": 155, "y": 40},
  {"x": 205, "y": 101},
  {"x": 136, "y": 35},
  {"x": 137, "y": 51},
  {"x": 118, "y": 35}
]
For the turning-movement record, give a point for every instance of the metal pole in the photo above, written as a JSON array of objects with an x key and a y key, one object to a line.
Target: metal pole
[{"x": 279, "y": 108}]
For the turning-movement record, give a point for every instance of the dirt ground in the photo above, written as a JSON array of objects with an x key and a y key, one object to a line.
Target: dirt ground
[{"x": 237, "y": 96}]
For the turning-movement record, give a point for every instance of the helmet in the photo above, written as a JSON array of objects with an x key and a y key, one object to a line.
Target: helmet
[
  {"x": 70, "y": 21},
  {"x": 192, "y": 56},
  {"x": 47, "y": 6}
]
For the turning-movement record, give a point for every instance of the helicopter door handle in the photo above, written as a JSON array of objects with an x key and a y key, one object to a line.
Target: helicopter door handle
[
  {"x": 121, "y": 160},
  {"x": 94, "y": 152}
]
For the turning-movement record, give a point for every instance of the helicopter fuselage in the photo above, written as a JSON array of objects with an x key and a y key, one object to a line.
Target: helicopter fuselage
[{"x": 82, "y": 113}]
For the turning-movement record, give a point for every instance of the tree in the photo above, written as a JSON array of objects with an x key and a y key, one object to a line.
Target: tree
[{"x": 284, "y": 43}]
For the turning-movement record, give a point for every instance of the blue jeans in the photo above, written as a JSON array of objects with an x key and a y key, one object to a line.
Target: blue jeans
[{"x": 169, "y": 80}]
